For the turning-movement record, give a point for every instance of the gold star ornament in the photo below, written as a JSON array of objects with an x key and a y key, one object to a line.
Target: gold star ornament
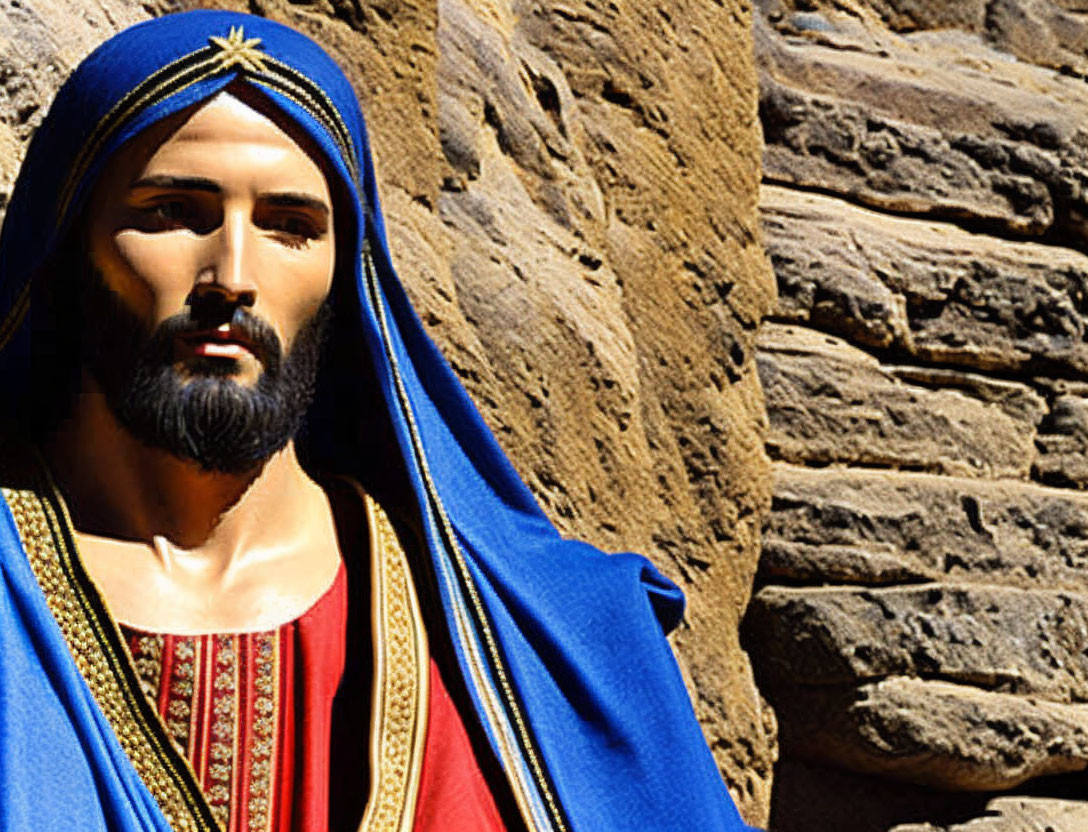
[{"x": 236, "y": 50}]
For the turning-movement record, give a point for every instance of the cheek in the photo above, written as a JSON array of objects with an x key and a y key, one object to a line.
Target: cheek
[
  {"x": 157, "y": 269},
  {"x": 302, "y": 282}
]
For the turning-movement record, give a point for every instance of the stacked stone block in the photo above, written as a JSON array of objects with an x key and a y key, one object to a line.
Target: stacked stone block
[{"x": 921, "y": 626}]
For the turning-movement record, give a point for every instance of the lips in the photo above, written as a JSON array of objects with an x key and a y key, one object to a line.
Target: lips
[{"x": 225, "y": 341}]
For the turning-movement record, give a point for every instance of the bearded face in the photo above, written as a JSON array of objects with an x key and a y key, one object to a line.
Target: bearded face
[
  {"x": 208, "y": 251},
  {"x": 197, "y": 410}
]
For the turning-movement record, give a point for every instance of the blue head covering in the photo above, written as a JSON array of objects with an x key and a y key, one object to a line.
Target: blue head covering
[{"x": 562, "y": 647}]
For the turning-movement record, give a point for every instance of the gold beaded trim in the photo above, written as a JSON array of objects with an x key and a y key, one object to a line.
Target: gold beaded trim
[
  {"x": 96, "y": 645},
  {"x": 147, "y": 661},
  {"x": 179, "y": 711},
  {"x": 398, "y": 726},
  {"x": 264, "y": 748},
  {"x": 218, "y": 780}
]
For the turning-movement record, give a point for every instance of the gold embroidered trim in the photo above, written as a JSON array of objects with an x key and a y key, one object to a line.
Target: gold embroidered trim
[
  {"x": 264, "y": 749},
  {"x": 179, "y": 712},
  {"x": 202, "y": 64},
  {"x": 220, "y": 665},
  {"x": 93, "y": 640},
  {"x": 224, "y": 728},
  {"x": 401, "y": 676},
  {"x": 223, "y": 55},
  {"x": 147, "y": 661},
  {"x": 522, "y": 794},
  {"x": 313, "y": 100}
]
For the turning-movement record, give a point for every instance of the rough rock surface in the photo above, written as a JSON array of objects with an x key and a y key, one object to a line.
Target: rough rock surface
[
  {"x": 571, "y": 193},
  {"x": 920, "y": 627},
  {"x": 1015, "y": 814},
  {"x": 834, "y": 526},
  {"x": 937, "y": 123},
  {"x": 819, "y": 389},
  {"x": 881, "y": 728},
  {"x": 996, "y": 638},
  {"x": 936, "y": 293}
]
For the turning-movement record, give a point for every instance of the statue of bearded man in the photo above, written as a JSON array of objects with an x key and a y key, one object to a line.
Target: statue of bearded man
[{"x": 264, "y": 567}]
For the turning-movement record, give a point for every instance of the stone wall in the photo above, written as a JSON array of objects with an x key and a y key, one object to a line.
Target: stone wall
[
  {"x": 921, "y": 625},
  {"x": 571, "y": 192}
]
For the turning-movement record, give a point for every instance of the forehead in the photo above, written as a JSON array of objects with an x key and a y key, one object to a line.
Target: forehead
[{"x": 224, "y": 139}]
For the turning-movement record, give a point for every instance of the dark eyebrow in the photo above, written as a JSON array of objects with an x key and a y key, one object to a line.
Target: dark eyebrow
[
  {"x": 297, "y": 200},
  {"x": 177, "y": 183},
  {"x": 288, "y": 199}
]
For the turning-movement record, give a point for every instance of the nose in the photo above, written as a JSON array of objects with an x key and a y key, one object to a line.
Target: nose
[{"x": 227, "y": 277}]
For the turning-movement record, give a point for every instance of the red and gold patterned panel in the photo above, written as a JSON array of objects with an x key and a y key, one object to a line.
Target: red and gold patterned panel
[{"x": 226, "y": 703}]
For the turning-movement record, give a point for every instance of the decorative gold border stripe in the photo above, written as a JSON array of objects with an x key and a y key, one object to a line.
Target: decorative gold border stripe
[
  {"x": 496, "y": 661},
  {"x": 303, "y": 91},
  {"x": 176, "y": 76},
  {"x": 190, "y": 69},
  {"x": 401, "y": 680},
  {"x": 15, "y": 316},
  {"x": 401, "y": 660},
  {"x": 97, "y": 646}
]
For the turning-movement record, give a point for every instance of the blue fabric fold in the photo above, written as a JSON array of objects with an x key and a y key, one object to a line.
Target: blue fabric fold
[{"x": 577, "y": 636}]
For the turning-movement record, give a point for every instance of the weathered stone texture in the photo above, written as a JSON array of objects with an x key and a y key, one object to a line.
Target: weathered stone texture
[
  {"x": 937, "y": 123},
  {"x": 921, "y": 620},
  {"x": 935, "y": 292},
  {"x": 1063, "y": 443},
  {"x": 914, "y": 731},
  {"x": 606, "y": 284},
  {"x": 875, "y": 529},
  {"x": 1018, "y": 814},
  {"x": 1051, "y": 33},
  {"x": 844, "y": 800},
  {"x": 819, "y": 389},
  {"x": 838, "y": 636},
  {"x": 570, "y": 190},
  {"x": 39, "y": 43},
  {"x": 819, "y": 796}
]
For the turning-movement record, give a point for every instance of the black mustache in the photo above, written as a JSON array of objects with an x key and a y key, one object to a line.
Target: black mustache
[{"x": 244, "y": 325}]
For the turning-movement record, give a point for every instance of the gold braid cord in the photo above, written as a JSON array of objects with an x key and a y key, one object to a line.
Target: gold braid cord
[{"x": 401, "y": 660}]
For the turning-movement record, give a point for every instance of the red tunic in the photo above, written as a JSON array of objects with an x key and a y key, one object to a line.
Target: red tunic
[{"x": 253, "y": 714}]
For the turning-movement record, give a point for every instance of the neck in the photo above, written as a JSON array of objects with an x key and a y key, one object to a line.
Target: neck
[{"x": 118, "y": 487}]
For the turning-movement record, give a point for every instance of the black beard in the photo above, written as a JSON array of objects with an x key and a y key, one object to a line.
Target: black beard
[{"x": 205, "y": 417}]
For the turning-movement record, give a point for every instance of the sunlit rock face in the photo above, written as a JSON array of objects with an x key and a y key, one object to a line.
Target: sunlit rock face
[
  {"x": 571, "y": 192},
  {"x": 921, "y": 622}
]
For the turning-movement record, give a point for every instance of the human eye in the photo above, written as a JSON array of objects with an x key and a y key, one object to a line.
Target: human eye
[
  {"x": 293, "y": 229},
  {"x": 170, "y": 212},
  {"x": 166, "y": 210}
]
